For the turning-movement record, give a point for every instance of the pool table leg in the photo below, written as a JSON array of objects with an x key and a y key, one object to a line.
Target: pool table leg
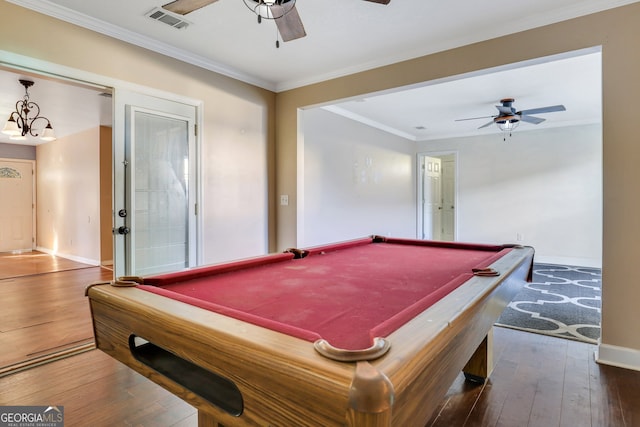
[
  {"x": 479, "y": 367},
  {"x": 371, "y": 397}
]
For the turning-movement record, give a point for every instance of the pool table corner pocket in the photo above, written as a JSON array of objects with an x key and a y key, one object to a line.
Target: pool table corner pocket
[{"x": 378, "y": 349}]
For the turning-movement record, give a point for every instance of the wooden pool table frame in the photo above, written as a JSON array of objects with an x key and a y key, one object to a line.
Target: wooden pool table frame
[{"x": 285, "y": 382}]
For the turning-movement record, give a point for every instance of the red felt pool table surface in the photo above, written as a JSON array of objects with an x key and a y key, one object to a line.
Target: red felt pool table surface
[
  {"x": 238, "y": 340},
  {"x": 346, "y": 294}
]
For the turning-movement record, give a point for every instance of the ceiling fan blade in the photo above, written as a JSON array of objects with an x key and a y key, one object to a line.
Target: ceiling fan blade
[
  {"x": 473, "y": 118},
  {"x": 550, "y": 109},
  {"x": 182, "y": 7},
  {"x": 379, "y": 1},
  {"x": 486, "y": 124},
  {"x": 290, "y": 25},
  {"x": 531, "y": 119}
]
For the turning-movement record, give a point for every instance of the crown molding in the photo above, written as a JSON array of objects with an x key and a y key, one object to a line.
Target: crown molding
[
  {"x": 511, "y": 27},
  {"x": 525, "y": 23},
  {"x": 68, "y": 15}
]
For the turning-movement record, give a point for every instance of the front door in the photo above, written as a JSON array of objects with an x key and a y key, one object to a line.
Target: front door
[
  {"x": 16, "y": 198},
  {"x": 154, "y": 186}
]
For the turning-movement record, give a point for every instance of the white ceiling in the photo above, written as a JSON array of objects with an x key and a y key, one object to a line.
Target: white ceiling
[
  {"x": 347, "y": 36},
  {"x": 430, "y": 111},
  {"x": 70, "y": 108}
]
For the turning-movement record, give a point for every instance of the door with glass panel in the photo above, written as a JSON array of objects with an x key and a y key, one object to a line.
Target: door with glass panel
[{"x": 155, "y": 187}]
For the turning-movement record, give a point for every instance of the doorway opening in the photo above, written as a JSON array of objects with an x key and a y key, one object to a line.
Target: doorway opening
[{"x": 437, "y": 196}]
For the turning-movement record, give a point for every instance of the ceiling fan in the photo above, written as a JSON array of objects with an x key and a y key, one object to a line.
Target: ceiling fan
[
  {"x": 508, "y": 117},
  {"x": 282, "y": 11}
]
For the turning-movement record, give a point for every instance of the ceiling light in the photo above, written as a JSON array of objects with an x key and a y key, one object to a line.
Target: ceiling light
[
  {"x": 20, "y": 123},
  {"x": 507, "y": 123},
  {"x": 271, "y": 9}
]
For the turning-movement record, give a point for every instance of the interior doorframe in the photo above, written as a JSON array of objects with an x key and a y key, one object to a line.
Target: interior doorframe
[
  {"x": 420, "y": 158},
  {"x": 34, "y": 207},
  {"x": 130, "y": 103},
  {"x": 122, "y": 99},
  {"x": 41, "y": 68}
]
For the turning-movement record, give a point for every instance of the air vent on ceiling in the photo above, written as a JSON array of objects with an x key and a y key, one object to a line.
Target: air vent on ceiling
[{"x": 166, "y": 17}]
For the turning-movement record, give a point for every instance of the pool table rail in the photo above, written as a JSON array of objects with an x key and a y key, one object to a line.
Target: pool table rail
[
  {"x": 284, "y": 381},
  {"x": 263, "y": 364},
  {"x": 459, "y": 332}
]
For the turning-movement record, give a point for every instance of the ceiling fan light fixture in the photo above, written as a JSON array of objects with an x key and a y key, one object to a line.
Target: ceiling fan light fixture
[
  {"x": 507, "y": 123},
  {"x": 264, "y": 8}
]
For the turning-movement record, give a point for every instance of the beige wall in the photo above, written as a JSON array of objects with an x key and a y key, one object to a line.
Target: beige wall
[
  {"x": 617, "y": 31},
  {"x": 237, "y": 122}
]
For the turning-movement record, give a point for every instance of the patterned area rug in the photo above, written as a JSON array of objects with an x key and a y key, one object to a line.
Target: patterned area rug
[{"x": 562, "y": 301}]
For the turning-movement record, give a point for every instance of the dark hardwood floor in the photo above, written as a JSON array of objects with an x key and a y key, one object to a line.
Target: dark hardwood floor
[
  {"x": 544, "y": 381},
  {"x": 538, "y": 380}
]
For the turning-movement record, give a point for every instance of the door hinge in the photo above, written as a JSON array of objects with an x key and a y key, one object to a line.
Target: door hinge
[
  {"x": 195, "y": 129},
  {"x": 195, "y": 209}
]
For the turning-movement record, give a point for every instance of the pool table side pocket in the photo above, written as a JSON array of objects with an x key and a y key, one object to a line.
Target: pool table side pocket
[{"x": 271, "y": 366}]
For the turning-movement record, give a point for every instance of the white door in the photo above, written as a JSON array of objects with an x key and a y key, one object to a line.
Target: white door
[
  {"x": 448, "y": 168},
  {"x": 431, "y": 198},
  {"x": 16, "y": 198},
  {"x": 155, "y": 185}
]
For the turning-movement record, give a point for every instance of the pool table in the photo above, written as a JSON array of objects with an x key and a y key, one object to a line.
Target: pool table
[{"x": 369, "y": 332}]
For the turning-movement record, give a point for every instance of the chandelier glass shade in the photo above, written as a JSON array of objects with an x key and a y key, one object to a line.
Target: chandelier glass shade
[{"x": 26, "y": 118}]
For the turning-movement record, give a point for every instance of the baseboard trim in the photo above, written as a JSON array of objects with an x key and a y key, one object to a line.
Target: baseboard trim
[
  {"x": 621, "y": 357},
  {"x": 70, "y": 257}
]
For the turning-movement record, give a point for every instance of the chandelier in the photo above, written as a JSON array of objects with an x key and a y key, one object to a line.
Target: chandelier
[{"x": 21, "y": 121}]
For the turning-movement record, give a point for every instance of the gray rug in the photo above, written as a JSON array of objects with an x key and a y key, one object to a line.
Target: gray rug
[{"x": 562, "y": 301}]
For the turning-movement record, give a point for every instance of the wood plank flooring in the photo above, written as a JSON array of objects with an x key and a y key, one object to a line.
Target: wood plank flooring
[
  {"x": 538, "y": 381},
  {"x": 44, "y": 313},
  {"x": 544, "y": 381},
  {"x": 32, "y": 263}
]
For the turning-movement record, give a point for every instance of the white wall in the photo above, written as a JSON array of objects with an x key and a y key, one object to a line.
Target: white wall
[
  {"x": 544, "y": 185},
  {"x": 68, "y": 196},
  {"x": 356, "y": 181}
]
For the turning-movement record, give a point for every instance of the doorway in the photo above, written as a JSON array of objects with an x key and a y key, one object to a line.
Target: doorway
[
  {"x": 17, "y": 194},
  {"x": 437, "y": 196},
  {"x": 155, "y": 193}
]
